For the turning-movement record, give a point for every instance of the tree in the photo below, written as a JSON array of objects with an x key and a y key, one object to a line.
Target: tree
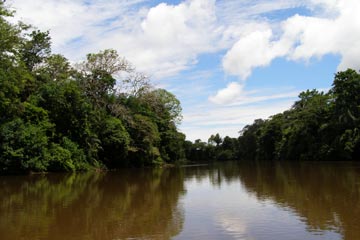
[
  {"x": 24, "y": 146},
  {"x": 346, "y": 89},
  {"x": 115, "y": 141},
  {"x": 215, "y": 139},
  {"x": 13, "y": 73},
  {"x": 346, "y": 119},
  {"x": 10, "y": 35},
  {"x": 96, "y": 75},
  {"x": 145, "y": 141},
  {"x": 55, "y": 68},
  {"x": 164, "y": 105},
  {"x": 172, "y": 145},
  {"x": 248, "y": 140},
  {"x": 135, "y": 84},
  {"x": 67, "y": 109},
  {"x": 36, "y": 48},
  {"x": 107, "y": 61}
]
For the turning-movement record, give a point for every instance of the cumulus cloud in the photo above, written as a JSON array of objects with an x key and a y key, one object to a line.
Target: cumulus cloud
[
  {"x": 68, "y": 20},
  {"x": 172, "y": 36},
  {"x": 232, "y": 91},
  {"x": 253, "y": 50},
  {"x": 317, "y": 37},
  {"x": 160, "y": 40},
  {"x": 166, "y": 39},
  {"x": 334, "y": 31}
]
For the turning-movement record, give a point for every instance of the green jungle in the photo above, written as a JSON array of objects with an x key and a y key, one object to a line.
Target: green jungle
[{"x": 103, "y": 114}]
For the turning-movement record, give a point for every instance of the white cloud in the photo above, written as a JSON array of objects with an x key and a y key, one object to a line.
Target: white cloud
[
  {"x": 68, "y": 20},
  {"x": 166, "y": 39},
  {"x": 317, "y": 37},
  {"x": 171, "y": 37},
  {"x": 335, "y": 30},
  {"x": 253, "y": 50},
  {"x": 235, "y": 95},
  {"x": 228, "y": 94},
  {"x": 162, "y": 40}
]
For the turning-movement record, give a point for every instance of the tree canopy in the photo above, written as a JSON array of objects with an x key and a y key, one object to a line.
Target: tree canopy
[{"x": 98, "y": 113}]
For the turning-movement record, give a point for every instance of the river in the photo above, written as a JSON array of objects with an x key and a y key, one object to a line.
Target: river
[{"x": 309, "y": 200}]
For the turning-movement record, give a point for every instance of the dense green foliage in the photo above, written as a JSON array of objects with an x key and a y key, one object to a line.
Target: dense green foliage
[
  {"x": 319, "y": 126},
  {"x": 98, "y": 113}
]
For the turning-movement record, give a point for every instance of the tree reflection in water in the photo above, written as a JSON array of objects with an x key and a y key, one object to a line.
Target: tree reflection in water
[
  {"x": 150, "y": 204},
  {"x": 324, "y": 195},
  {"x": 114, "y": 205}
]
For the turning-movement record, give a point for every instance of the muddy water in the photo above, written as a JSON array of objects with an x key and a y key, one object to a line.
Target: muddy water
[{"x": 223, "y": 201}]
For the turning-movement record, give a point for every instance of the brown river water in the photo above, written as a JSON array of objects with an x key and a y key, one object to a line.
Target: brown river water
[{"x": 270, "y": 201}]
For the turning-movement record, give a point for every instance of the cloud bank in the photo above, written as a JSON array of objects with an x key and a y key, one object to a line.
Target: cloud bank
[
  {"x": 334, "y": 31},
  {"x": 167, "y": 38},
  {"x": 161, "y": 40}
]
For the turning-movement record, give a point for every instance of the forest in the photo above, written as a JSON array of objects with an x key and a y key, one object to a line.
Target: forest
[
  {"x": 102, "y": 113},
  {"x": 320, "y": 126}
]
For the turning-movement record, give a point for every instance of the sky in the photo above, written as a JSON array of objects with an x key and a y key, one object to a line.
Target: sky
[{"x": 229, "y": 62}]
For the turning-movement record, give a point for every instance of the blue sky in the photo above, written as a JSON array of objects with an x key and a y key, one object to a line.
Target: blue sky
[{"x": 229, "y": 62}]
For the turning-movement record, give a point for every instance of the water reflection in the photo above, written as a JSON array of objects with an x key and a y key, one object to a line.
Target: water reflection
[
  {"x": 324, "y": 196},
  {"x": 120, "y": 205},
  {"x": 225, "y": 201}
]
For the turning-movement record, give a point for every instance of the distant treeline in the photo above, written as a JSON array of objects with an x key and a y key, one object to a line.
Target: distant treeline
[
  {"x": 98, "y": 113},
  {"x": 319, "y": 126}
]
